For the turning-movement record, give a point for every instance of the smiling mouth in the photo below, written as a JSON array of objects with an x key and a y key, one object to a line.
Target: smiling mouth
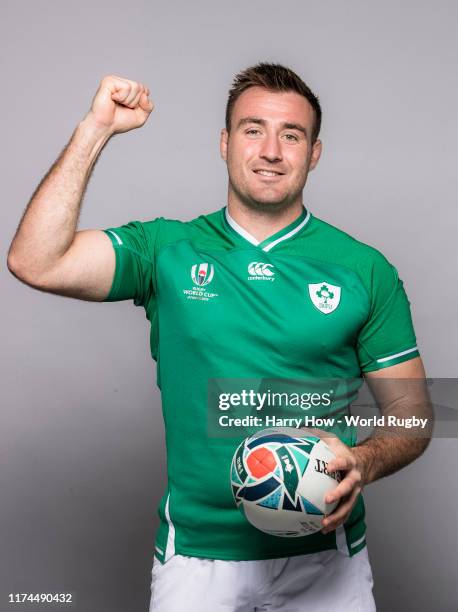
[{"x": 269, "y": 173}]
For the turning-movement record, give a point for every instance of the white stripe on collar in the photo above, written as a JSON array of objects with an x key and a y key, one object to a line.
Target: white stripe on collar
[
  {"x": 289, "y": 234},
  {"x": 239, "y": 229}
]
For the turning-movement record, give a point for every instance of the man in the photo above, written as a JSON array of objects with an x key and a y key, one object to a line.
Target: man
[{"x": 212, "y": 316}]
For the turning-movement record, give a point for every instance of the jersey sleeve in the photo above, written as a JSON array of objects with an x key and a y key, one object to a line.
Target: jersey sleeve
[
  {"x": 134, "y": 245},
  {"x": 387, "y": 336}
]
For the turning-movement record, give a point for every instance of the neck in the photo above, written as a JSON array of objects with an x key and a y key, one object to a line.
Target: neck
[{"x": 263, "y": 223}]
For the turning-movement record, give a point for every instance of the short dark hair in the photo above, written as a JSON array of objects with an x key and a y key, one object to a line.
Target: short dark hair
[{"x": 273, "y": 77}]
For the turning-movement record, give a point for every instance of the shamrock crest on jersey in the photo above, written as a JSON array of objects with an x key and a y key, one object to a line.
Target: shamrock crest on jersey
[{"x": 325, "y": 297}]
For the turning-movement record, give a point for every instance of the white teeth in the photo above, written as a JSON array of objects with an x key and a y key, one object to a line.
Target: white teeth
[{"x": 267, "y": 173}]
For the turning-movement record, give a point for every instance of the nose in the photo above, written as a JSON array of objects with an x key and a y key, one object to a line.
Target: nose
[{"x": 271, "y": 149}]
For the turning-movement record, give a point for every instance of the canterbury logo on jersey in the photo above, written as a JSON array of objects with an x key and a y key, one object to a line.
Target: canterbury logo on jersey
[
  {"x": 258, "y": 270},
  {"x": 202, "y": 274}
]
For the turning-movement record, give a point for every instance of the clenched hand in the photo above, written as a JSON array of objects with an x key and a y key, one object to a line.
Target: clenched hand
[{"x": 120, "y": 105}]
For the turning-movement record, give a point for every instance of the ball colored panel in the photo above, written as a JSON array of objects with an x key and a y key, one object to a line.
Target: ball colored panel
[
  {"x": 310, "y": 508},
  {"x": 256, "y": 492},
  {"x": 261, "y": 462},
  {"x": 273, "y": 500},
  {"x": 277, "y": 437},
  {"x": 300, "y": 457}
]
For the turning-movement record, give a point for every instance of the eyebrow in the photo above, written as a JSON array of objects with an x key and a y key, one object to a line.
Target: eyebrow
[{"x": 263, "y": 122}]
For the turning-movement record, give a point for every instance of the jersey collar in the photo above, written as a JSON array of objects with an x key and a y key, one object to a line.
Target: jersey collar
[{"x": 266, "y": 245}]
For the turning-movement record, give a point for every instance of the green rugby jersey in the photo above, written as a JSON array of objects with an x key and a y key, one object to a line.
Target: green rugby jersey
[{"x": 308, "y": 302}]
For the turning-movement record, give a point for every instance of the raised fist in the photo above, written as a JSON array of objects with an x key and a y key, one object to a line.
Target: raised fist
[{"x": 120, "y": 105}]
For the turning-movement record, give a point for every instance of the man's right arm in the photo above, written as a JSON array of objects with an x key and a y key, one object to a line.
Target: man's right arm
[{"x": 47, "y": 252}]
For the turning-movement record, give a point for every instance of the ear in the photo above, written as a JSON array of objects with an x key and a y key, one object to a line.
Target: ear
[
  {"x": 223, "y": 143},
  {"x": 316, "y": 154}
]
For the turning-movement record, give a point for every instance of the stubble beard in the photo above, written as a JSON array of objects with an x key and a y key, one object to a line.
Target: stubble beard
[{"x": 267, "y": 207}]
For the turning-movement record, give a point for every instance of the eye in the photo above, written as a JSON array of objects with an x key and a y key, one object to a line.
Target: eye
[
  {"x": 252, "y": 131},
  {"x": 291, "y": 137}
]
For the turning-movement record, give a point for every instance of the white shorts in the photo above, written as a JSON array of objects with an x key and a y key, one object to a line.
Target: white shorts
[{"x": 318, "y": 582}]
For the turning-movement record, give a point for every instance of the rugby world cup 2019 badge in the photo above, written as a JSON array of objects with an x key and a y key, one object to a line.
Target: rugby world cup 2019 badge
[
  {"x": 201, "y": 275},
  {"x": 325, "y": 297}
]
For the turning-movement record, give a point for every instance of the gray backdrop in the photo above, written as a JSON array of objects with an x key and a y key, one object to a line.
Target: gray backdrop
[{"x": 81, "y": 446}]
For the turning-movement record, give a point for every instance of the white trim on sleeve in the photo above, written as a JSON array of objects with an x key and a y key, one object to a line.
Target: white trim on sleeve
[
  {"x": 170, "y": 546},
  {"x": 118, "y": 239},
  {"x": 396, "y": 355}
]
